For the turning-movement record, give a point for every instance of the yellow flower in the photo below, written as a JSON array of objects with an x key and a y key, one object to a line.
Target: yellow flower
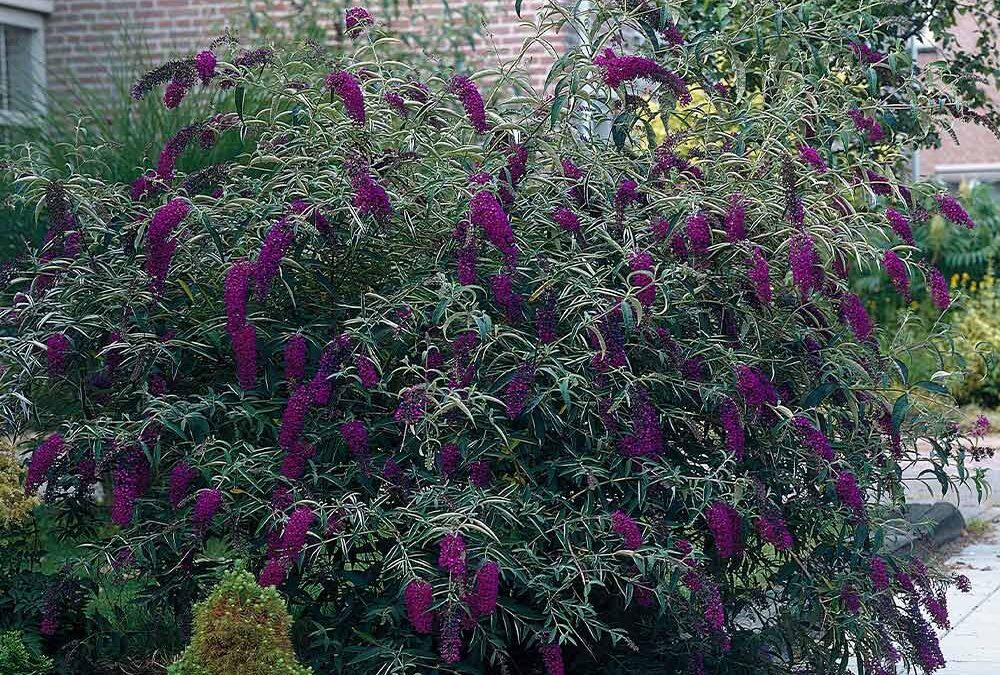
[{"x": 15, "y": 505}]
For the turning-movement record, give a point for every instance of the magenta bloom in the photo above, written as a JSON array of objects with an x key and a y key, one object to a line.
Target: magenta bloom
[
  {"x": 245, "y": 352},
  {"x": 480, "y": 474},
  {"x": 356, "y": 20},
  {"x": 939, "y": 289},
  {"x": 616, "y": 70},
  {"x": 760, "y": 276},
  {"x": 773, "y": 530},
  {"x": 293, "y": 538},
  {"x": 849, "y": 493},
  {"x": 735, "y": 219},
  {"x": 295, "y": 356},
  {"x": 273, "y": 573},
  {"x": 57, "y": 348},
  {"x": 672, "y": 34},
  {"x": 366, "y": 372},
  {"x": 452, "y": 555},
  {"x": 236, "y": 290},
  {"x": 627, "y": 194},
  {"x": 866, "y": 125},
  {"x": 181, "y": 477},
  {"x": 953, "y": 211},
  {"x": 552, "y": 659},
  {"x": 804, "y": 261},
  {"x": 396, "y": 102},
  {"x": 546, "y": 320},
  {"x": 483, "y": 600},
  {"x": 294, "y": 417},
  {"x": 850, "y": 599},
  {"x": 898, "y": 275},
  {"x": 419, "y": 598},
  {"x": 349, "y": 90},
  {"x": 467, "y": 261},
  {"x": 699, "y": 234},
  {"x": 646, "y": 439},
  {"x": 623, "y": 524},
  {"x": 725, "y": 524},
  {"x": 370, "y": 198},
  {"x": 756, "y": 389},
  {"x": 854, "y": 314},
  {"x": 506, "y": 297},
  {"x": 566, "y": 219},
  {"x": 810, "y": 156},
  {"x": 206, "y": 504},
  {"x": 866, "y": 53},
  {"x": 294, "y": 463},
  {"x": 130, "y": 478},
  {"x": 355, "y": 437},
  {"x": 174, "y": 93},
  {"x": 205, "y": 63},
  {"x": 515, "y": 393},
  {"x": 813, "y": 438},
  {"x": 451, "y": 638},
  {"x": 279, "y": 237},
  {"x": 487, "y": 213},
  {"x": 517, "y": 163},
  {"x": 641, "y": 278},
  {"x": 900, "y": 225},
  {"x": 467, "y": 92},
  {"x": 42, "y": 459},
  {"x": 879, "y": 574},
  {"x": 732, "y": 428},
  {"x": 159, "y": 246},
  {"x": 450, "y": 457}
]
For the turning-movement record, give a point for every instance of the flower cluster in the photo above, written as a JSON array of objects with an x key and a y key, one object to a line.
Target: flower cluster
[
  {"x": 774, "y": 531},
  {"x": 160, "y": 246},
  {"x": 468, "y": 93},
  {"x": 726, "y": 527},
  {"x": 289, "y": 546},
  {"x": 419, "y": 598},
  {"x": 627, "y": 528},
  {"x": 953, "y": 211},
  {"x": 356, "y": 20},
  {"x": 617, "y": 70},
  {"x": 42, "y": 459},
  {"x": 346, "y": 86},
  {"x": 295, "y": 356},
  {"x": 452, "y": 555}
]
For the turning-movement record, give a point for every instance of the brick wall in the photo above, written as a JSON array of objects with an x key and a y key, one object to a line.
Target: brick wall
[
  {"x": 977, "y": 146},
  {"x": 83, "y": 37}
]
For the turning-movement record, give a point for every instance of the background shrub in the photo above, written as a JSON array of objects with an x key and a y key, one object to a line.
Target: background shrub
[{"x": 487, "y": 383}]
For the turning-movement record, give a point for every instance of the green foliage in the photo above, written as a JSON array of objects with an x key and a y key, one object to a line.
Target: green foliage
[
  {"x": 17, "y": 659},
  {"x": 240, "y": 628},
  {"x": 652, "y": 466},
  {"x": 968, "y": 259}
]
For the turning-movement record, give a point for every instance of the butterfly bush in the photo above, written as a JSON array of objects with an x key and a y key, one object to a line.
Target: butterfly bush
[{"x": 483, "y": 381}]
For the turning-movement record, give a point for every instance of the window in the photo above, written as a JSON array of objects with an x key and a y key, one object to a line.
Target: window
[{"x": 22, "y": 62}]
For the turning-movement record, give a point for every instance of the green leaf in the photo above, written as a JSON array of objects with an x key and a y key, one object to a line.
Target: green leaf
[
  {"x": 899, "y": 411},
  {"x": 239, "y": 97},
  {"x": 933, "y": 387}
]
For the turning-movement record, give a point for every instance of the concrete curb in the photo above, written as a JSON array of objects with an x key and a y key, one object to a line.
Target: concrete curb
[{"x": 933, "y": 525}]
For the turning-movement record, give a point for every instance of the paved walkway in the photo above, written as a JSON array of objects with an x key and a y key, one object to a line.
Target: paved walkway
[{"x": 972, "y": 646}]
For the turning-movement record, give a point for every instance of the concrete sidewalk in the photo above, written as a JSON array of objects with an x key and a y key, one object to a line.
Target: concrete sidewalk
[{"x": 972, "y": 646}]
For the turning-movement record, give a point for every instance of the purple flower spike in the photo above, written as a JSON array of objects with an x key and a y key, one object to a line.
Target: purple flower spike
[{"x": 349, "y": 90}]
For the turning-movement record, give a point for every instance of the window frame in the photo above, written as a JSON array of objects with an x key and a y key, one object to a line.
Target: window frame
[{"x": 30, "y": 15}]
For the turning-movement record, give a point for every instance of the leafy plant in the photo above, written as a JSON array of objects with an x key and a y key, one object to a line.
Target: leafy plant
[
  {"x": 485, "y": 383},
  {"x": 17, "y": 659},
  {"x": 240, "y": 628}
]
